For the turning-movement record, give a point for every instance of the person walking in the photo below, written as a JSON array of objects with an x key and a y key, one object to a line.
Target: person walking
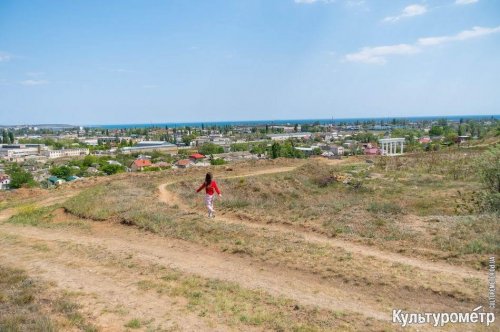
[{"x": 210, "y": 189}]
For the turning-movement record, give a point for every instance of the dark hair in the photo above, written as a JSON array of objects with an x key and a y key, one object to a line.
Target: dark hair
[{"x": 208, "y": 179}]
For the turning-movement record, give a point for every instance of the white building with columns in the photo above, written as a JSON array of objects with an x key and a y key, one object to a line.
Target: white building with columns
[{"x": 392, "y": 146}]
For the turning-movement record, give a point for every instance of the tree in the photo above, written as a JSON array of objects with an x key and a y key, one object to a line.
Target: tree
[
  {"x": 186, "y": 139},
  {"x": 275, "y": 150},
  {"x": 11, "y": 137},
  {"x": 489, "y": 169},
  {"x": 61, "y": 172},
  {"x": 19, "y": 177},
  {"x": 210, "y": 148},
  {"x": 5, "y": 137},
  {"x": 436, "y": 131},
  {"x": 89, "y": 160},
  {"x": 110, "y": 169},
  {"x": 317, "y": 151},
  {"x": 239, "y": 147}
]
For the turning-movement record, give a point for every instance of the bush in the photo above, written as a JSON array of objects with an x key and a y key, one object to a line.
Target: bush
[
  {"x": 61, "y": 172},
  {"x": 20, "y": 178},
  {"x": 210, "y": 148},
  {"x": 488, "y": 166},
  {"x": 217, "y": 162}
]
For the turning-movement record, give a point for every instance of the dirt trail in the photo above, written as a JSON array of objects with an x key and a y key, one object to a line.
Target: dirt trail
[
  {"x": 195, "y": 259},
  {"x": 109, "y": 296},
  {"x": 170, "y": 198}
]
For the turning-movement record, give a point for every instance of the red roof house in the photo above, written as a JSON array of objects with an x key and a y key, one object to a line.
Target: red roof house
[
  {"x": 196, "y": 157},
  {"x": 139, "y": 164},
  {"x": 184, "y": 163},
  {"x": 371, "y": 151},
  {"x": 425, "y": 140}
]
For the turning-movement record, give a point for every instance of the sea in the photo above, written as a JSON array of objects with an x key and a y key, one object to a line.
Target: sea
[{"x": 292, "y": 121}]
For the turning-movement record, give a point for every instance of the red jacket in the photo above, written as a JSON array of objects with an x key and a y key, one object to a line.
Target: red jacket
[{"x": 210, "y": 189}]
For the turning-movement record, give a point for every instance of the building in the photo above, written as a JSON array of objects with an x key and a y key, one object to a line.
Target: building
[
  {"x": 140, "y": 164},
  {"x": 371, "y": 151},
  {"x": 284, "y": 137},
  {"x": 15, "y": 151},
  {"x": 392, "y": 146},
  {"x": 425, "y": 140},
  {"x": 55, "y": 181},
  {"x": 4, "y": 182},
  {"x": 196, "y": 157},
  {"x": 307, "y": 151},
  {"x": 150, "y": 146},
  {"x": 337, "y": 150},
  {"x": 53, "y": 154},
  {"x": 184, "y": 163}
]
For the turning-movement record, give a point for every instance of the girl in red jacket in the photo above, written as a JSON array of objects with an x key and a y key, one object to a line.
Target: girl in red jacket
[{"x": 210, "y": 188}]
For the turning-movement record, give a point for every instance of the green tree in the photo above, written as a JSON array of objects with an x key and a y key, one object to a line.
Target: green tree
[
  {"x": 89, "y": 160},
  {"x": 11, "y": 137},
  {"x": 210, "y": 148},
  {"x": 61, "y": 171},
  {"x": 436, "y": 131},
  {"x": 239, "y": 147},
  {"x": 5, "y": 137},
  {"x": 110, "y": 169},
  {"x": 275, "y": 150},
  {"x": 20, "y": 178}
]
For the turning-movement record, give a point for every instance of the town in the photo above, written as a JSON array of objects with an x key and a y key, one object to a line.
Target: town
[{"x": 50, "y": 155}]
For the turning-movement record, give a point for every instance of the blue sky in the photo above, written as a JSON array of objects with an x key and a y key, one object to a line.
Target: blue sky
[{"x": 141, "y": 61}]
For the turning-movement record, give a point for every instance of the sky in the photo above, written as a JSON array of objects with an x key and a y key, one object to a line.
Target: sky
[{"x": 150, "y": 61}]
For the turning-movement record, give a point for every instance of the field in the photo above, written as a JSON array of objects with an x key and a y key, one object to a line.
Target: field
[{"x": 296, "y": 245}]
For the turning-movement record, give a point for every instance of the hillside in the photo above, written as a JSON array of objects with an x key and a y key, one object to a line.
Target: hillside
[{"x": 296, "y": 245}]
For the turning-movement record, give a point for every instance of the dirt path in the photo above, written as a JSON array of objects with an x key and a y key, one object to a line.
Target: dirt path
[
  {"x": 170, "y": 198},
  {"x": 196, "y": 259},
  {"x": 109, "y": 295}
]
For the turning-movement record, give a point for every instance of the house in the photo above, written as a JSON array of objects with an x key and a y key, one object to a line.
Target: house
[
  {"x": 139, "y": 164},
  {"x": 4, "y": 182},
  {"x": 284, "y": 137},
  {"x": 462, "y": 139},
  {"x": 196, "y": 157},
  {"x": 55, "y": 181},
  {"x": 371, "y": 151},
  {"x": 307, "y": 151},
  {"x": 337, "y": 150},
  {"x": 114, "y": 162},
  {"x": 184, "y": 163},
  {"x": 425, "y": 140},
  {"x": 92, "y": 170}
]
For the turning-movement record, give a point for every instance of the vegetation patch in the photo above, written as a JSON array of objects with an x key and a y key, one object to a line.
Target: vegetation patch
[{"x": 26, "y": 305}]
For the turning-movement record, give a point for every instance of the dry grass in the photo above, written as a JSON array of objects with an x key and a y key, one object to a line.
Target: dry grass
[
  {"x": 27, "y": 305},
  {"x": 131, "y": 201}
]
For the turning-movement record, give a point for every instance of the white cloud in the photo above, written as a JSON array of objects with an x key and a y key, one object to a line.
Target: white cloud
[
  {"x": 475, "y": 32},
  {"x": 4, "y": 57},
  {"x": 465, "y": 2},
  {"x": 379, "y": 54},
  {"x": 408, "y": 11},
  {"x": 34, "y": 82}
]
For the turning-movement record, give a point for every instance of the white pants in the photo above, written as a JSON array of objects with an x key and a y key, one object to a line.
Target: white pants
[{"x": 209, "y": 202}]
